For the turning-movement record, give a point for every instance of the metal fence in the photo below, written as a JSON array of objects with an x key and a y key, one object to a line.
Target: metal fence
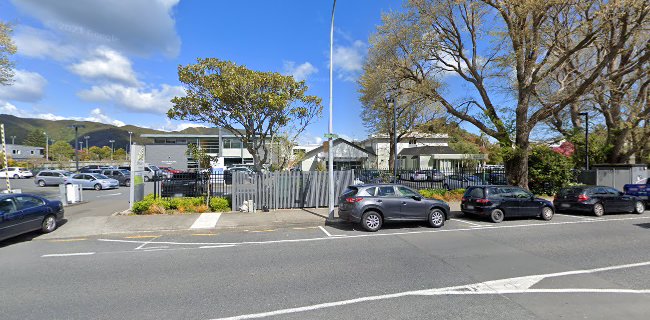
[
  {"x": 284, "y": 190},
  {"x": 457, "y": 178},
  {"x": 193, "y": 184}
]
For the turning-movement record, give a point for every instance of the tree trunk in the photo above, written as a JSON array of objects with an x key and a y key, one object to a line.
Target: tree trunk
[{"x": 516, "y": 165}]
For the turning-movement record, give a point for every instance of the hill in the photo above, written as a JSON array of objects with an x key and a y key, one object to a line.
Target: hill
[{"x": 99, "y": 133}]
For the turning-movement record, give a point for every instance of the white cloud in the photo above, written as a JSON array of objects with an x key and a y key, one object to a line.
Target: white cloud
[
  {"x": 27, "y": 86},
  {"x": 96, "y": 115},
  {"x": 106, "y": 64},
  {"x": 169, "y": 126},
  {"x": 348, "y": 60},
  {"x": 135, "y": 99},
  {"x": 300, "y": 72},
  {"x": 37, "y": 43},
  {"x": 136, "y": 26}
]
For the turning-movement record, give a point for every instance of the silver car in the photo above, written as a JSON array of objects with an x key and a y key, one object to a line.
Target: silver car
[
  {"x": 93, "y": 181},
  {"x": 51, "y": 177}
]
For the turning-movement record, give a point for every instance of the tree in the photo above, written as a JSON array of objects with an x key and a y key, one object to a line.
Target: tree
[
  {"x": 549, "y": 170},
  {"x": 199, "y": 155},
  {"x": 35, "y": 138},
  {"x": 231, "y": 96},
  {"x": 497, "y": 48},
  {"x": 61, "y": 151},
  {"x": 7, "y": 48},
  {"x": 120, "y": 154}
]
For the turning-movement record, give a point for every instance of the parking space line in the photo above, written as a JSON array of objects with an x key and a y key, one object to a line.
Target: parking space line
[
  {"x": 67, "y": 240},
  {"x": 141, "y": 237},
  {"x": 146, "y": 243},
  {"x": 578, "y": 217},
  {"x": 256, "y": 231},
  {"x": 325, "y": 231},
  {"x": 468, "y": 222},
  {"x": 67, "y": 254},
  {"x": 204, "y": 234}
]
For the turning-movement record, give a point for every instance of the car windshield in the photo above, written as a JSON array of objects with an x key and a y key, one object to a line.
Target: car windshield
[
  {"x": 154, "y": 168},
  {"x": 125, "y": 172},
  {"x": 100, "y": 176}
]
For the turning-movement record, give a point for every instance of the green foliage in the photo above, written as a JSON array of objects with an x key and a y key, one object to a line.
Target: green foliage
[
  {"x": 7, "y": 48},
  {"x": 219, "y": 205},
  {"x": 231, "y": 96},
  {"x": 548, "y": 171},
  {"x": 61, "y": 151},
  {"x": 443, "y": 194},
  {"x": 120, "y": 154},
  {"x": 35, "y": 138},
  {"x": 149, "y": 205},
  {"x": 199, "y": 154}
]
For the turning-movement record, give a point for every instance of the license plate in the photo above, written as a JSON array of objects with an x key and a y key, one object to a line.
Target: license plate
[
  {"x": 566, "y": 205},
  {"x": 469, "y": 207}
]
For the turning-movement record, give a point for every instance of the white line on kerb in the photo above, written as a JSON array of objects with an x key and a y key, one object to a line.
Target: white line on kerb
[
  {"x": 517, "y": 285},
  {"x": 327, "y": 233},
  {"x": 68, "y": 254}
]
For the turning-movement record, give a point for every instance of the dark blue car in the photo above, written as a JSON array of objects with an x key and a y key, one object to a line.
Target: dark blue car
[
  {"x": 499, "y": 202},
  {"x": 21, "y": 213}
]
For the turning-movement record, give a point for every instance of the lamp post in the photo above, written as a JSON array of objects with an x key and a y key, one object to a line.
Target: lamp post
[
  {"x": 130, "y": 133},
  {"x": 13, "y": 138},
  {"x": 391, "y": 102},
  {"x": 330, "y": 155},
  {"x": 76, "y": 143},
  {"x": 586, "y": 115},
  {"x": 47, "y": 147},
  {"x": 112, "y": 150},
  {"x": 87, "y": 145}
]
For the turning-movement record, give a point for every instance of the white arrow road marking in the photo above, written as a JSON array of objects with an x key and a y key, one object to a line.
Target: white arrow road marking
[{"x": 502, "y": 286}]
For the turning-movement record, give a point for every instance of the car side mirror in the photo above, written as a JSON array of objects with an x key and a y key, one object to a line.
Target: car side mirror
[
  {"x": 417, "y": 198},
  {"x": 621, "y": 193}
]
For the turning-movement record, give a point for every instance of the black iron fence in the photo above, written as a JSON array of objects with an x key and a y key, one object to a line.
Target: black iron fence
[
  {"x": 449, "y": 179},
  {"x": 193, "y": 184}
]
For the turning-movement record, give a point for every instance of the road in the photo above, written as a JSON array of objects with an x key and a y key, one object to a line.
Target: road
[{"x": 571, "y": 267}]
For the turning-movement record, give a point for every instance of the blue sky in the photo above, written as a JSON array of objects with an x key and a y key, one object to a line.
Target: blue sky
[{"x": 116, "y": 61}]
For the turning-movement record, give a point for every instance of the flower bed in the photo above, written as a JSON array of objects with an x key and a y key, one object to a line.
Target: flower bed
[
  {"x": 149, "y": 205},
  {"x": 442, "y": 194}
]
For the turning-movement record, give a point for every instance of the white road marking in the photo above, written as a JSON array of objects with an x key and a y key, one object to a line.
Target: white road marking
[
  {"x": 325, "y": 231},
  {"x": 68, "y": 254},
  {"x": 146, "y": 243},
  {"x": 207, "y": 220},
  {"x": 468, "y": 222},
  {"x": 108, "y": 195},
  {"x": 518, "y": 285},
  {"x": 578, "y": 217},
  {"x": 221, "y": 246}
]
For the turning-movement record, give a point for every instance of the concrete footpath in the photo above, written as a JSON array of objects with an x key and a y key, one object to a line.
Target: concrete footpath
[{"x": 88, "y": 226}]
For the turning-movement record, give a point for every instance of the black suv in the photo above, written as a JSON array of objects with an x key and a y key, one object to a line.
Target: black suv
[
  {"x": 373, "y": 204},
  {"x": 597, "y": 200},
  {"x": 499, "y": 202},
  {"x": 123, "y": 176}
]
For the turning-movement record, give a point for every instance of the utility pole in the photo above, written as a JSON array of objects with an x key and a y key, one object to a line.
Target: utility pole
[
  {"x": 390, "y": 100},
  {"x": 586, "y": 114},
  {"x": 330, "y": 154},
  {"x": 112, "y": 149},
  {"x": 129, "y": 151},
  {"x": 13, "y": 138},
  {"x": 76, "y": 142},
  {"x": 87, "y": 145},
  {"x": 47, "y": 147}
]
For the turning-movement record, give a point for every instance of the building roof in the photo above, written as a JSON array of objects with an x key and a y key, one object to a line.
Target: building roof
[
  {"x": 320, "y": 149},
  {"x": 427, "y": 150},
  {"x": 23, "y": 146},
  {"x": 206, "y": 133},
  {"x": 414, "y": 134}
]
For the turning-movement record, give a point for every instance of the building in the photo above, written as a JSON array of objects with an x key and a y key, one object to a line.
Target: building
[
  {"x": 170, "y": 149},
  {"x": 22, "y": 152},
  {"x": 346, "y": 154},
  {"x": 419, "y": 151}
]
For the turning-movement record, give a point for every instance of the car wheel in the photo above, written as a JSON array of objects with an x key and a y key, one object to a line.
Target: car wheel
[
  {"x": 496, "y": 215},
  {"x": 98, "y": 187},
  {"x": 41, "y": 183},
  {"x": 639, "y": 207},
  {"x": 547, "y": 213},
  {"x": 599, "y": 210},
  {"x": 371, "y": 221},
  {"x": 127, "y": 183},
  {"x": 49, "y": 224},
  {"x": 16, "y": 176},
  {"x": 436, "y": 218},
  {"x": 146, "y": 179}
]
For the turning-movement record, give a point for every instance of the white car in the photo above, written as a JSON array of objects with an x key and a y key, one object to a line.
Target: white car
[
  {"x": 15, "y": 173},
  {"x": 414, "y": 176}
]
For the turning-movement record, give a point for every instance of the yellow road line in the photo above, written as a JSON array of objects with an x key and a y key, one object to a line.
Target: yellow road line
[
  {"x": 67, "y": 240},
  {"x": 141, "y": 237}
]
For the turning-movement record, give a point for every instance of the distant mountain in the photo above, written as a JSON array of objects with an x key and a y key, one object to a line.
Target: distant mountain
[{"x": 99, "y": 133}]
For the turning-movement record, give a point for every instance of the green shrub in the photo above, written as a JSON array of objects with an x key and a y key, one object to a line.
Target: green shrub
[
  {"x": 548, "y": 171},
  {"x": 442, "y": 194},
  {"x": 219, "y": 204}
]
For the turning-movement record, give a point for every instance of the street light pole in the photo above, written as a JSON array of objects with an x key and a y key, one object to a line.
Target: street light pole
[
  {"x": 112, "y": 149},
  {"x": 391, "y": 101},
  {"x": 76, "y": 142},
  {"x": 129, "y": 151},
  {"x": 13, "y": 138},
  {"x": 87, "y": 145},
  {"x": 586, "y": 114},
  {"x": 47, "y": 147},
  {"x": 330, "y": 155}
]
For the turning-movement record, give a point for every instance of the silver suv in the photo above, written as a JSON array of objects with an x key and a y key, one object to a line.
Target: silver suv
[
  {"x": 373, "y": 204},
  {"x": 51, "y": 177}
]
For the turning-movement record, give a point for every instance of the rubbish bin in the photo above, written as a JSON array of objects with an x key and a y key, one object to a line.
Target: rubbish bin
[{"x": 70, "y": 193}]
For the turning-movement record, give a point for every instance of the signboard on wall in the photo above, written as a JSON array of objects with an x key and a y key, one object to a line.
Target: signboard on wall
[{"x": 137, "y": 174}]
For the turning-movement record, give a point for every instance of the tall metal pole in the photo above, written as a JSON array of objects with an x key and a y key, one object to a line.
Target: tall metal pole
[
  {"x": 87, "y": 145},
  {"x": 586, "y": 114},
  {"x": 13, "y": 138},
  {"x": 76, "y": 147},
  {"x": 112, "y": 149},
  {"x": 330, "y": 155},
  {"x": 47, "y": 147},
  {"x": 129, "y": 153},
  {"x": 394, "y": 139},
  {"x": 4, "y": 152}
]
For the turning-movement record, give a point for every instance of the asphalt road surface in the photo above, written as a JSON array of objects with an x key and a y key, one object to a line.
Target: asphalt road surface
[{"x": 572, "y": 267}]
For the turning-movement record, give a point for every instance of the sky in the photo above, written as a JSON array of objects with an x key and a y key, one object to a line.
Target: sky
[{"x": 116, "y": 61}]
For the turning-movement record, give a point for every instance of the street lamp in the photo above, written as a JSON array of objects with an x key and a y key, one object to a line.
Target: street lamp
[
  {"x": 47, "y": 146},
  {"x": 13, "y": 138},
  {"x": 330, "y": 154},
  {"x": 76, "y": 139},
  {"x": 391, "y": 102},
  {"x": 130, "y": 133},
  {"x": 586, "y": 114},
  {"x": 87, "y": 145},
  {"x": 112, "y": 141}
]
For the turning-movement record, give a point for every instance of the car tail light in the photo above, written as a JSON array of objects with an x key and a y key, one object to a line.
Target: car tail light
[
  {"x": 482, "y": 201},
  {"x": 463, "y": 199},
  {"x": 583, "y": 197},
  {"x": 353, "y": 200}
]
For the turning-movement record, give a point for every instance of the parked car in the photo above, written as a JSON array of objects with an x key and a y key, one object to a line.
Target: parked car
[
  {"x": 152, "y": 173},
  {"x": 51, "y": 177},
  {"x": 597, "y": 200},
  {"x": 500, "y": 202},
  {"x": 123, "y": 176},
  {"x": 171, "y": 170},
  {"x": 414, "y": 176},
  {"x": 462, "y": 181},
  {"x": 16, "y": 173},
  {"x": 21, "y": 213},
  {"x": 434, "y": 175},
  {"x": 640, "y": 189},
  {"x": 92, "y": 181},
  {"x": 373, "y": 204},
  {"x": 89, "y": 170}
]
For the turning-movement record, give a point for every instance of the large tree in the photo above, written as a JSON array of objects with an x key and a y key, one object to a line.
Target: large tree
[
  {"x": 35, "y": 138},
  {"x": 502, "y": 50},
  {"x": 234, "y": 97},
  {"x": 61, "y": 151},
  {"x": 7, "y": 48}
]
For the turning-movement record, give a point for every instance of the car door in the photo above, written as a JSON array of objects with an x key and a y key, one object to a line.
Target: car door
[
  {"x": 31, "y": 210},
  {"x": 9, "y": 219},
  {"x": 411, "y": 207},
  {"x": 528, "y": 206},
  {"x": 620, "y": 202},
  {"x": 510, "y": 203},
  {"x": 605, "y": 198},
  {"x": 390, "y": 202}
]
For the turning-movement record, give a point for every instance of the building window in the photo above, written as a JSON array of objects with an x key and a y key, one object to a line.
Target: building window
[
  {"x": 413, "y": 141},
  {"x": 209, "y": 145},
  {"x": 32, "y": 151},
  {"x": 14, "y": 151},
  {"x": 232, "y": 143}
]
